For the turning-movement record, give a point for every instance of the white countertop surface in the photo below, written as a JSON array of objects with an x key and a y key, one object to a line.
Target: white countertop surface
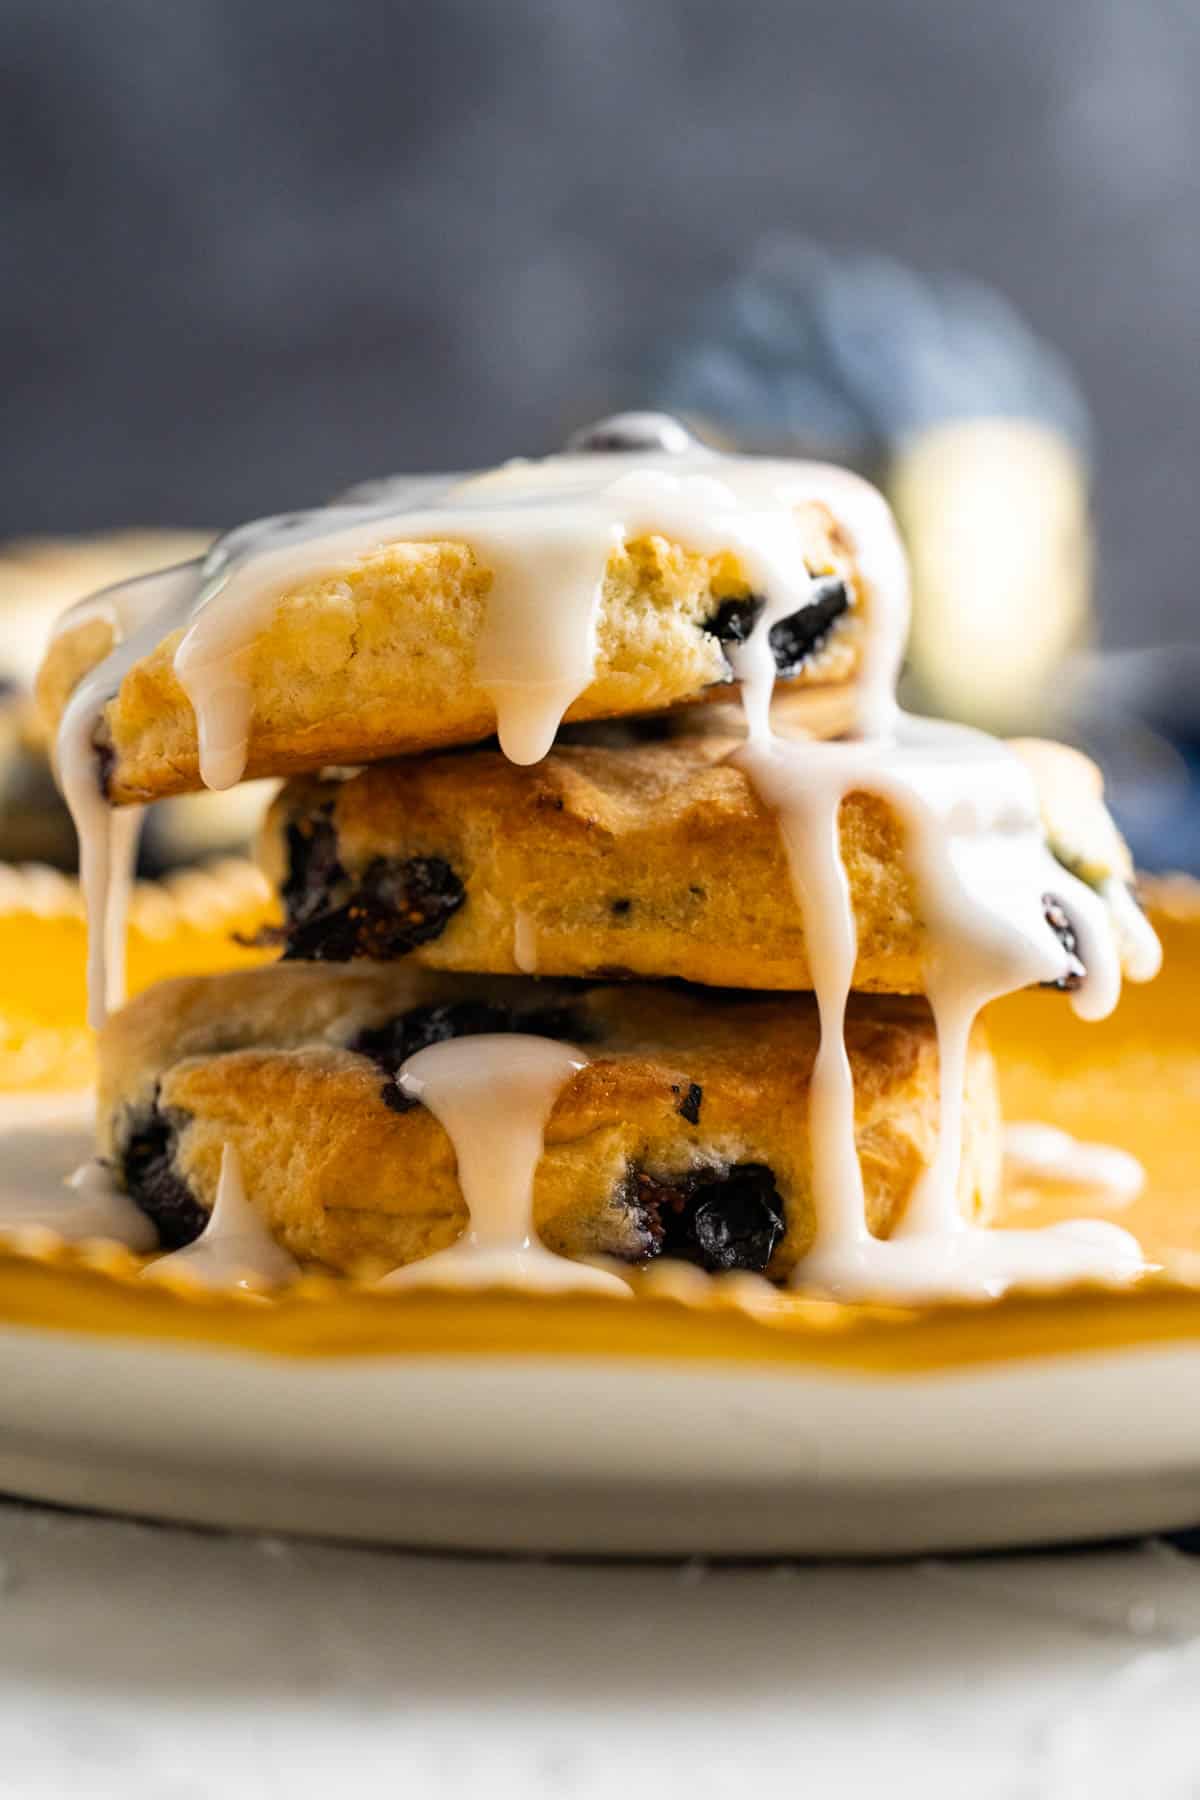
[{"x": 149, "y": 1661}]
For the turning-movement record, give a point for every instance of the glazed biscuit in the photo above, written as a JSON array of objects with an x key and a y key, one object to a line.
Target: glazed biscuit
[
  {"x": 650, "y": 860},
  {"x": 378, "y": 659},
  {"x": 686, "y": 1134}
]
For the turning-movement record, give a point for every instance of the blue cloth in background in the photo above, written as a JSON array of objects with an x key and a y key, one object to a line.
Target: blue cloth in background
[
  {"x": 851, "y": 352},
  {"x": 1162, "y": 825},
  {"x": 1138, "y": 714}
]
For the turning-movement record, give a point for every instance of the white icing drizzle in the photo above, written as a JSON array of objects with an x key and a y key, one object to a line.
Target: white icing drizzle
[
  {"x": 524, "y": 942},
  {"x": 492, "y": 1095},
  {"x": 101, "y": 1210},
  {"x": 235, "y": 1249},
  {"x": 977, "y": 853},
  {"x": 1142, "y": 952},
  {"x": 537, "y": 649},
  {"x": 108, "y": 836},
  {"x": 967, "y": 808},
  {"x": 545, "y": 530},
  {"x": 970, "y": 1262},
  {"x": 42, "y": 1137},
  {"x": 1044, "y": 1154}
]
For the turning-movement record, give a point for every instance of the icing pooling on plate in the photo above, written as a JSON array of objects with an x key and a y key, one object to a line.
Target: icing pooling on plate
[
  {"x": 492, "y": 1095},
  {"x": 235, "y": 1249},
  {"x": 967, "y": 807},
  {"x": 42, "y": 1137},
  {"x": 1044, "y": 1154},
  {"x": 970, "y": 1262}
]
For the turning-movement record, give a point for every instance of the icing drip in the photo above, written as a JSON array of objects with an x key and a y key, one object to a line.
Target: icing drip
[
  {"x": 235, "y": 1249},
  {"x": 493, "y": 1094},
  {"x": 981, "y": 867},
  {"x": 976, "y": 849},
  {"x": 546, "y": 539},
  {"x": 968, "y": 809},
  {"x": 1044, "y": 1154},
  {"x": 41, "y": 1136},
  {"x": 524, "y": 943},
  {"x": 545, "y": 530},
  {"x": 108, "y": 836}
]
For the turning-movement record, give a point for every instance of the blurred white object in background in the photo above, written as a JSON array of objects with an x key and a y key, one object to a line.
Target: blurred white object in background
[{"x": 995, "y": 515}]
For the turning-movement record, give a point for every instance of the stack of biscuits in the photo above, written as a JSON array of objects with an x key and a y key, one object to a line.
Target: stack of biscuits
[{"x": 629, "y": 894}]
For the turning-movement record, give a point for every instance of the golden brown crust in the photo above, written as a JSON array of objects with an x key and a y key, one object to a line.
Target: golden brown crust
[
  {"x": 653, "y": 860},
  {"x": 657, "y": 860},
  {"x": 379, "y": 660},
  {"x": 258, "y": 1059}
]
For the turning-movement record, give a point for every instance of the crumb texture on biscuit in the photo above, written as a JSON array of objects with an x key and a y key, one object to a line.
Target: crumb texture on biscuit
[
  {"x": 655, "y": 859},
  {"x": 379, "y": 658},
  {"x": 685, "y": 1134}
]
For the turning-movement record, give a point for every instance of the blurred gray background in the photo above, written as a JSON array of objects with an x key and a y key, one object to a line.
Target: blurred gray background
[{"x": 256, "y": 249}]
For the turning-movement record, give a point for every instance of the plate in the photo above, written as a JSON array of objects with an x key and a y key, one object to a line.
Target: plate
[
  {"x": 705, "y": 1416},
  {"x": 592, "y": 1455}
]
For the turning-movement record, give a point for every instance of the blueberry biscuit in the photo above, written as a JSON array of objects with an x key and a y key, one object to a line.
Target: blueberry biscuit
[
  {"x": 649, "y": 860},
  {"x": 685, "y": 1135},
  {"x": 377, "y": 657}
]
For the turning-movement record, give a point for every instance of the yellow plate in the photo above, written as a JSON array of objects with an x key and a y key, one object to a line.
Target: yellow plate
[
  {"x": 187, "y": 924},
  {"x": 1132, "y": 1081}
]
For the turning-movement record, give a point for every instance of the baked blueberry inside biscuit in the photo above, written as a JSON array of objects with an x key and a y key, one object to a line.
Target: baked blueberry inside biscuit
[
  {"x": 723, "y": 1218},
  {"x": 793, "y": 639},
  {"x": 689, "y": 1101},
  {"x": 105, "y": 763},
  {"x": 385, "y": 912},
  {"x": 153, "y": 1182},
  {"x": 1060, "y": 924},
  {"x": 803, "y": 633},
  {"x": 734, "y": 620}
]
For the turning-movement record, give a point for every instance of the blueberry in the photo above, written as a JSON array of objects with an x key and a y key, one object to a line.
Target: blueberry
[
  {"x": 689, "y": 1102},
  {"x": 734, "y": 620},
  {"x": 106, "y": 763},
  {"x": 388, "y": 910},
  {"x": 794, "y": 639},
  {"x": 312, "y": 863},
  {"x": 1060, "y": 924},
  {"x": 153, "y": 1182},
  {"x": 725, "y": 1218}
]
